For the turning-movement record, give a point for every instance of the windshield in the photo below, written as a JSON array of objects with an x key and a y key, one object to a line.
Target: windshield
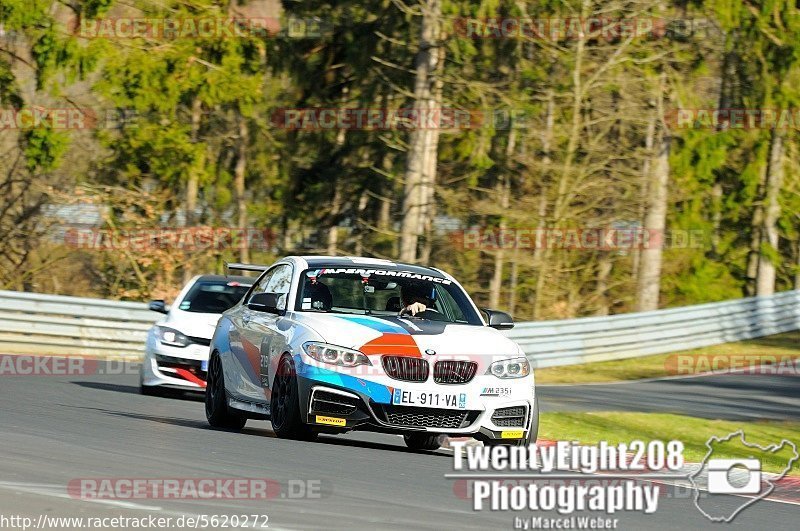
[
  {"x": 212, "y": 296},
  {"x": 384, "y": 293}
]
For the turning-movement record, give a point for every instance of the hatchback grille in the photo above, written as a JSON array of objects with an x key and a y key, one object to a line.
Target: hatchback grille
[
  {"x": 171, "y": 362},
  {"x": 406, "y": 368},
  {"x": 424, "y": 417},
  {"x": 510, "y": 416},
  {"x": 454, "y": 372},
  {"x": 200, "y": 341}
]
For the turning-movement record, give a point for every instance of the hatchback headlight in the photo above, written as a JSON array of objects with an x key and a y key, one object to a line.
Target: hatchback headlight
[
  {"x": 513, "y": 368},
  {"x": 171, "y": 337},
  {"x": 344, "y": 357}
]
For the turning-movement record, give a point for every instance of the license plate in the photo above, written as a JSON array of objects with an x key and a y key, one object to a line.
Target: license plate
[
  {"x": 204, "y": 365},
  {"x": 429, "y": 399}
]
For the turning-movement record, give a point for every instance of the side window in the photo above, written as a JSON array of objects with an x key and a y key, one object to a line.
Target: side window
[
  {"x": 281, "y": 280},
  {"x": 261, "y": 285},
  {"x": 276, "y": 280}
]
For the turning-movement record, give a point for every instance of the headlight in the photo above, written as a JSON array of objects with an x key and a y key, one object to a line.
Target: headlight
[
  {"x": 171, "y": 337},
  {"x": 334, "y": 355},
  {"x": 513, "y": 368}
]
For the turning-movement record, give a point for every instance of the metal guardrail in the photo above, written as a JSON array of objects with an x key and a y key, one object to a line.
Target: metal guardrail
[
  {"x": 31, "y": 323},
  {"x": 50, "y": 324},
  {"x": 574, "y": 341}
]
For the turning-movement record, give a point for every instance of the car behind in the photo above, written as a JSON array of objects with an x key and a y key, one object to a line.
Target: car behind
[{"x": 176, "y": 351}]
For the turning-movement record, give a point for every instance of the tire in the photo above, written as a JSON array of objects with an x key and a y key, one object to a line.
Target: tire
[
  {"x": 419, "y": 441},
  {"x": 218, "y": 414},
  {"x": 284, "y": 405},
  {"x": 533, "y": 432}
]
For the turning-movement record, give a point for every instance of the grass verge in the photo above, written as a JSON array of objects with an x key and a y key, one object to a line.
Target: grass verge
[
  {"x": 617, "y": 427},
  {"x": 781, "y": 346}
]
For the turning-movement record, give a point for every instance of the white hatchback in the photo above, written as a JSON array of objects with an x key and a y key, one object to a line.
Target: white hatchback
[{"x": 176, "y": 352}]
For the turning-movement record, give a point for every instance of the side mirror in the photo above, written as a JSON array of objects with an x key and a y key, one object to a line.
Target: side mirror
[
  {"x": 499, "y": 320},
  {"x": 158, "y": 306},
  {"x": 267, "y": 302}
]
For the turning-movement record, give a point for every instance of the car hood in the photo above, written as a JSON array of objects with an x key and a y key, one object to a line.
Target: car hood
[
  {"x": 192, "y": 324},
  {"x": 407, "y": 336}
]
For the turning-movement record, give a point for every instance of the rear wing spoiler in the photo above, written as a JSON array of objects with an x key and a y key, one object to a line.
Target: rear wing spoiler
[{"x": 244, "y": 267}]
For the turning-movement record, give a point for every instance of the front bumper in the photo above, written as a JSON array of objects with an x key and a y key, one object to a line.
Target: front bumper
[
  {"x": 175, "y": 367},
  {"x": 336, "y": 402}
]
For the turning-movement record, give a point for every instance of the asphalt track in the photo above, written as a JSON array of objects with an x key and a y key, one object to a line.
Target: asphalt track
[
  {"x": 732, "y": 396},
  {"x": 54, "y": 429}
]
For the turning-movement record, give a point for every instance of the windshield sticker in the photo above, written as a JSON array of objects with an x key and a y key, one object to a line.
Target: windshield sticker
[{"x": 366, "y": 273}]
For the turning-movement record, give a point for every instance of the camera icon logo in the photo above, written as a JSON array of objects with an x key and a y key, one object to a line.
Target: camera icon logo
[{"x": 734, "y": 476}]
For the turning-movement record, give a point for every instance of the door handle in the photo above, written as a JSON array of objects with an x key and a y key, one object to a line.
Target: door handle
[{"x": 246, "y": 318}]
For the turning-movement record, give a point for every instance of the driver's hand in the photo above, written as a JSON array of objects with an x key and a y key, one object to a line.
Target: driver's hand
[{"x": 415, "y": 308}]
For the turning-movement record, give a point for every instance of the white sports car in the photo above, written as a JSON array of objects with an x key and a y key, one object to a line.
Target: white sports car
[
  {"x": 333, "y": 344},
  {"x": 176, "y": 351}
]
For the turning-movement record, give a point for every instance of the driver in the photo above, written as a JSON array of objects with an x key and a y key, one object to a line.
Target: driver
[{"x": 416, "y": 299}]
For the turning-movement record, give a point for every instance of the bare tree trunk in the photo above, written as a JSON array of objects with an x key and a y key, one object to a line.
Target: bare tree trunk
[
  {"x": 797, "y": 265},
  {"x": 337, "y": 201},
  {"x": 716, "y": 216},
  {"x": 514, "y": 281},
  {"x": 333, "y": 230},
  {"x": 384, "y": 214},
  {"x": 636, "y": 253},
  {"x": 604, "y": 267},
  {"x": 504, "y": 193},
  {"x": 649, "y": 285},
  {"x": 496, "y": 284},
  {"x": 192, "y": 184},
  {"x": 385, "y": 208},
  {"x": 420, "y": 174},
  {"x": 573, "y": 141},
  {"x": 428, "y": 203},
  {"x": 765, "y": 281},
  {"x": 239, "y": 188},
  {"x": 756, "y": 224},
  {"x": 729, "y": 65},
  {"x": 358, "y": 245},
  {"x": 539, "y": 264}
]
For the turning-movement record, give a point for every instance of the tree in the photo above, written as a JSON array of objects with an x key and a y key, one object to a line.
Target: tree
[{"x": 422, "y": 158}]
